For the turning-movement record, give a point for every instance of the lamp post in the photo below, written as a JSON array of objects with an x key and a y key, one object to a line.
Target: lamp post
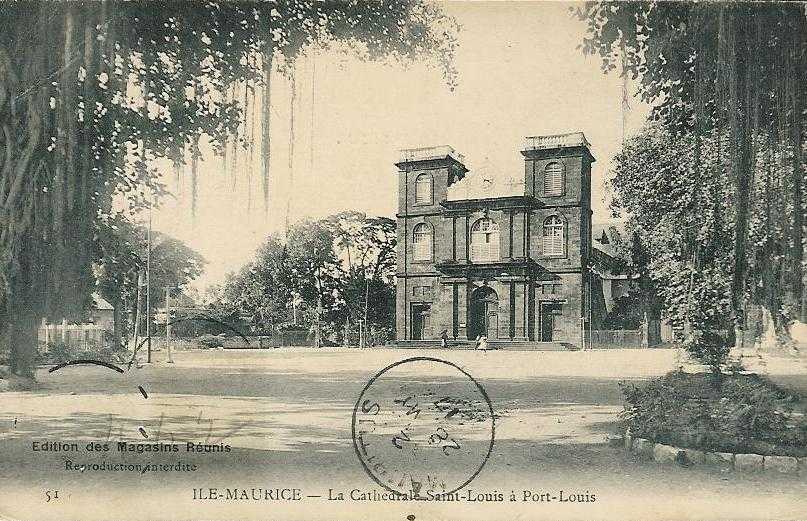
[{"x": 590, "y": 311}]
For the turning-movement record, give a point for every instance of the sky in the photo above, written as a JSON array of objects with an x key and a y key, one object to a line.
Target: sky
[{"x": 520, "y": 74}]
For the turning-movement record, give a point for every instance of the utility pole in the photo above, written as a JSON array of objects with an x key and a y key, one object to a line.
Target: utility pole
[
  {"x": 168, "y": 323},
  {"x": 148, "y": 287},
  {"x": 318, "y": 330},
  {"x": 590, "y": 307},
  {"x": 590, "y": 311},
  {"x": 366, "y": 309},
  {"x": 137, "y": 311},
  {"x": 583, "y": 333}
]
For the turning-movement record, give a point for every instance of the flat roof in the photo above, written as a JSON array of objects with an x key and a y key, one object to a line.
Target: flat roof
[
  {"x": 570, "y": 139},
  {"x": 427, "y": 153}
]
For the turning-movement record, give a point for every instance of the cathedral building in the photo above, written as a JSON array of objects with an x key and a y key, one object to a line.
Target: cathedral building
[{"x": 508, "y": 265}]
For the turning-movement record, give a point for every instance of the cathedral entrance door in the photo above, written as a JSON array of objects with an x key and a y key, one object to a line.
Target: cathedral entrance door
[
  {"x": 484, "y": 314},
  {"x": 547, "y": 320},
  {"x": 421, "y": 315}
]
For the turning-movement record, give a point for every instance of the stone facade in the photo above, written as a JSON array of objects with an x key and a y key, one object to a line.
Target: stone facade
[{"x": 508, "y": 267}]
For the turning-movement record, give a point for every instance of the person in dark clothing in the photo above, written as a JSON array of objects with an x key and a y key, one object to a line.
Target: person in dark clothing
[{"x": 444, "y": 339}]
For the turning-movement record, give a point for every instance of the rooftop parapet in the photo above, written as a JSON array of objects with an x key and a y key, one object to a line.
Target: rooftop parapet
[
  {"x": 409, "y": 155},
  {"x": 572, "y": 139}
]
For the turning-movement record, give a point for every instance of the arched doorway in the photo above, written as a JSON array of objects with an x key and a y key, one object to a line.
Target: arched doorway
[{"x": 484, "y": 313}]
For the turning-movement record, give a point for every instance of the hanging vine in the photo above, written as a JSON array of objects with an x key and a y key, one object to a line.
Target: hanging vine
[
  {"x": 705, "y": 66},
  {"x": 266, "y": 129},
  {"x": 68, "y": 123},
  {"x": 291, "y": 149},
  {"x": 250, "y": 120}
]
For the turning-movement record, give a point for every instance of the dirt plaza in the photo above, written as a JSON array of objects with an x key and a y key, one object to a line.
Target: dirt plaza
[{"x": 285, "y": 415}]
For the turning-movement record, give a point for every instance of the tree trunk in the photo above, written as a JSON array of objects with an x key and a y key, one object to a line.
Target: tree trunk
[
  {"x": 24, "y": 316},
  {"x": 318, "y": 327},
  {"x": 21, "y": 128},
  {"x": 795, "y": 78},
  {"x": 23, "y": 341},
  {"x": 741, "y": 156},
  {"x": 117, "y": 329},
  {"x": 291, "y": 151}
]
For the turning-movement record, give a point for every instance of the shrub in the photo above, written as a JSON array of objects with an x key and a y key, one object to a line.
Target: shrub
[
  {"x": 745, "y": 413},
  {"x": 710, "y": 347},
  {"x": 107, "y": 353},
  {"x": 59, "y": 353},
  {"x": 381, "y": 336},
  {"x": 4, "y": 350},
  {"x": 209, "y": 341},
  {"x": 626, "y": 314},
  {"x": 288, "y": 326}
]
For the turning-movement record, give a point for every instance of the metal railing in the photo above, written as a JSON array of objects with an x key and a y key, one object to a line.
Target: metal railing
[{"x": 614, "y": 339}]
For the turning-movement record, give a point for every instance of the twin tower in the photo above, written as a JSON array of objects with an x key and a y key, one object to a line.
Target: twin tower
[{"x": 510, "y": 268}]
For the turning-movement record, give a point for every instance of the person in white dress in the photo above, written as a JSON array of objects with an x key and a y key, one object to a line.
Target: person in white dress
[{"x": 482, "y": 343}]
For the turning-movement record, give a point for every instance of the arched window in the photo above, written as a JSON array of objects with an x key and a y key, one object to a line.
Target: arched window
[
  {"x": 553, "y": 179},
  {"x": 423, "y": 189},
  {"x": 485, "y": 241},
  {"x": 422, "y": 242},
  {"x": 554, "y": 241}
]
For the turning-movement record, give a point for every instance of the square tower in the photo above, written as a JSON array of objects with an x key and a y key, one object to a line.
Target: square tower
[
  {"x": 557, "y": 168},
  {"x": 557, "y": 173},
  {"x": 424, "y": 175}
]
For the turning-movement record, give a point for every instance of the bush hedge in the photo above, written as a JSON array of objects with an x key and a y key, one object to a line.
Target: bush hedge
[
  {"x": 210, "y": 341},
  {"x": 57, "y": 353},
  {"x": 740, "y": 413}
]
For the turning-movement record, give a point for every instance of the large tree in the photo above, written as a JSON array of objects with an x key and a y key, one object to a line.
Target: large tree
[
  {"x": 261, "y": 291},
  {"x": 339, "y": 269},
  {"x": 121, "y": 264},
  {"x": 91, "y": 93},
  {"x": 366, "y": 247},
  {"x": 730, "y": 73},
  {"x": 672, "y": 206}
]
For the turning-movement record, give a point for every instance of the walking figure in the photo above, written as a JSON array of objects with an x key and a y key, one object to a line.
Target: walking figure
[
  {"x": 482, "y": 343},
  {"x": 444, "y": 339}
]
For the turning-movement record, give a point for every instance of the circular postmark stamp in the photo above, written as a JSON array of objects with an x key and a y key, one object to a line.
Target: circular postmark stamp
[{"x": 423, "y": 427}]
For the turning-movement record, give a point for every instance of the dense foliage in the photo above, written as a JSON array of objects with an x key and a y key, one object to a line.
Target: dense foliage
[
  {"x": 121, "y": 261},
  {"x": 685, "y": 219},
  {"x": 746, "y": 414},
  {"x": 93, "y": 93},
  {"x": 339, "y": 269},
  {"x": 673, "y": 206},
  {"x": 626, "y": 314},
  {"x": 716, "y": 188}
]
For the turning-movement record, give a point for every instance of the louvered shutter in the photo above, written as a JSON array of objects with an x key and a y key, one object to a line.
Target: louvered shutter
[
  {"x": 422, "y": 243},
  {"x": 423, "y": 189},
  {"x": 553, "y": 179},
  {"x": 485, "y": 241},
  {"x": 553, "y": 237}
]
